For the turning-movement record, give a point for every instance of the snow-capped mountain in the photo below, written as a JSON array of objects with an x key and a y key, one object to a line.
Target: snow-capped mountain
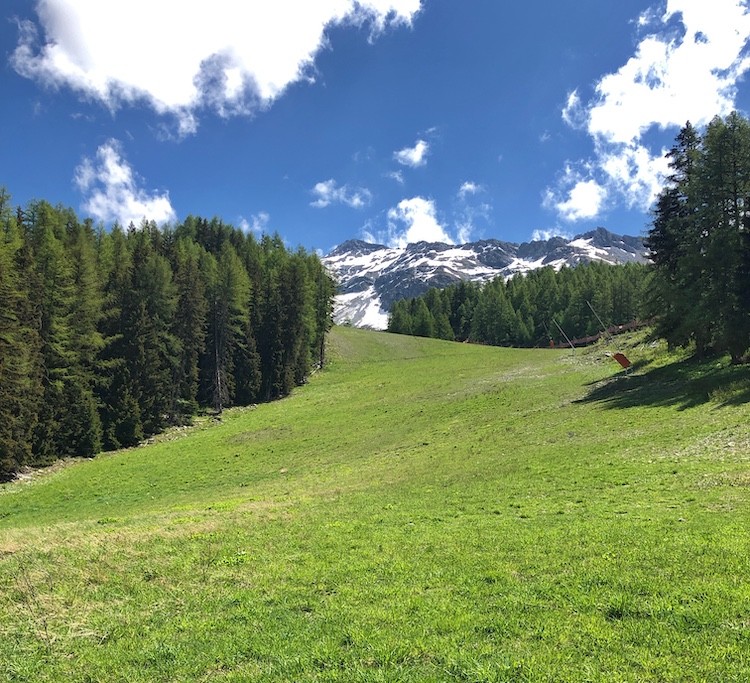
[{"x": 372, "y": 276}]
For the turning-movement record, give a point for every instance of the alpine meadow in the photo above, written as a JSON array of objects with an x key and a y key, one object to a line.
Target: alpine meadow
[
  {"x": 419, "y": 511},
  {"x": 375, "y": 341}
]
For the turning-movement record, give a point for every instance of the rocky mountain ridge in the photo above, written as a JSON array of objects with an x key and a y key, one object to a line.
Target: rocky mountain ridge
[{"x": 373, "y": 276}]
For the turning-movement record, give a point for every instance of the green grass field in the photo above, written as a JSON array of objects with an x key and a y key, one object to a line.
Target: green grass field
[{"x": 420, "y": 511}]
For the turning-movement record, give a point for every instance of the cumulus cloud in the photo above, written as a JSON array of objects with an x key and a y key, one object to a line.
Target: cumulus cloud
[
  {"x": 577, "y": 196},
  {"x": 112, "y": 190},
  {"x": 330, "y": 192},
  {"x": 685, "y": 66},
  {"x": 635, "y": 172},
  {"x": 674, "y": 77},
  {"x": 415, "y": 220},
  {"x": 413, "y": 156},
  {"x": 584, "y": 200},
  {"x": 231, "y": 57}
]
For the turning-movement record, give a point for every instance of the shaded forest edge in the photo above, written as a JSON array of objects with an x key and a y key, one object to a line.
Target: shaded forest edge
[{"x": 109, "y": 337}]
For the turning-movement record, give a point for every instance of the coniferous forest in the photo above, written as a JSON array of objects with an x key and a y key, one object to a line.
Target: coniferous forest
[
  {"x": 526, "y": 309},
  {"x": 108, "y": 337}
]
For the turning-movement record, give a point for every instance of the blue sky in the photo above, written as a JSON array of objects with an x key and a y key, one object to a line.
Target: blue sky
[{"x": 389, "y": 120}]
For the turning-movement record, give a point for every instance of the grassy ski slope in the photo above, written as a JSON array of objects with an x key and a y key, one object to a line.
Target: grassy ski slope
[{"x": 420, "y": 511}]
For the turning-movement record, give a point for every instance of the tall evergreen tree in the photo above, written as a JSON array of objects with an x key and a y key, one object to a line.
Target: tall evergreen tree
[
  {"x": 698, "y": 240},
  {"x": 151, "y": 350},
  {"x": 228, "y": 313},
  {"x": 20, "y": 376},
  {"x": 399, "y": 319},
  {"x": 121, "y": 415},
  {"x": 84, "y": 433},
  {"x": 53, "y": 278},
  {"x": 189, "y": 327}
]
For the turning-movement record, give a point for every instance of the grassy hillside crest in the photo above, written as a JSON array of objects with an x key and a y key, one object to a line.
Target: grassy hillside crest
[{"x": 420, "y": 511}]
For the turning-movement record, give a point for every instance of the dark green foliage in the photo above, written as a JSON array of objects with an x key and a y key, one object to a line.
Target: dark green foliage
[
  {"x": 520, "y": 312},
  {"x": 400, "y": 320},
  {"x": 324, "y": 290},
  {"x": 699, "y": 241},
  {"x": 423, "y": 324},
  {"x": 109, "y": 337},
  {"x": 20, "y": 368},
  {"x": 228, "y": 316},
  {"x": 189, "y": 326},
  {"x": 150, "y": 348}
]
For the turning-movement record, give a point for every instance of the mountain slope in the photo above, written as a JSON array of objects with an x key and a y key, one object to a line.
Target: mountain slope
[
  {"x": 372, "y": 277},
  {"x": 419, "y": 511}
]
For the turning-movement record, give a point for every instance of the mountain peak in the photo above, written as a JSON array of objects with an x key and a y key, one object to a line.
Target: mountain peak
[
  {"x": 355, "y": 246},
  {"x": 372, "y": 277}
]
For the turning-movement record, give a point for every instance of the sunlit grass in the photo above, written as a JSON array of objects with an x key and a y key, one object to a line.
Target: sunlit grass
[{"x": 421, "y": 511}]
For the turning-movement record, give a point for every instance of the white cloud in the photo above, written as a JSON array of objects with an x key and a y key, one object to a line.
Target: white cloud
[
  {"x": 413, "y": 156},
  {"x": 674, "y": 78},
  {"x": 231, "y": 57},
  {"x": 113, "y": 193},
  {"x": 398, "y": 176},
  {"x": 544, "y": 235},
  {"x": 415, "y": 220},
  {"x": 257, "y": 225},
  {"x": 636, "y": 173},
  {"x": 573, "y": 112},
  {"x": 329, "y": 192},
  {"x": 469, "y": 188},
  {"x": 464, "y": 232},
  {"x": 584, "y": 200},
  {"x": 685, "y": 66},
  {"x": 471, "y": 215},
  {"x": 577, "y": 196}
]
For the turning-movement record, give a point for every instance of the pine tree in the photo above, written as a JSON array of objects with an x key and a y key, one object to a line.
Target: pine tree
[
  {"x": 325, "y": 290},
  {"x": 20, "y": 376},
  {"x": 84, "y": 433},
  {"x": 189, "y": 328},
  {"x": 399, "y": 319},
  {"x": 698, "y": 240},
  {"x": 423, "y": 321},
  {"x": 228, "y": 315},
  {"x": 727, "y": 162},
  {"x": 270, "y": 337},
  {"x": 121, "y": 415},
  {"x": 150, "y": 348},
  {"x": 298, "y": 320},
  {"x": 54, "y": 290}
]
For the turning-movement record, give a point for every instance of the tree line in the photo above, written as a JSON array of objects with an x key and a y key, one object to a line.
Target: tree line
[
  {"x": 108, "y": 337},
  {"x": 700, "y": 240},
  {"x": 526, "y": 309},
  {"x": 696, "y": 288}
]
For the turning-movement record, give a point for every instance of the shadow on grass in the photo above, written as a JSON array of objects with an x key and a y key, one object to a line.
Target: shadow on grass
[{"x": 684, "y": 384}]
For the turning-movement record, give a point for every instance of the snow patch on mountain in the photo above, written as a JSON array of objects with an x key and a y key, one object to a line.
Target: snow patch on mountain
[{"x": 371, "y": 277}]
